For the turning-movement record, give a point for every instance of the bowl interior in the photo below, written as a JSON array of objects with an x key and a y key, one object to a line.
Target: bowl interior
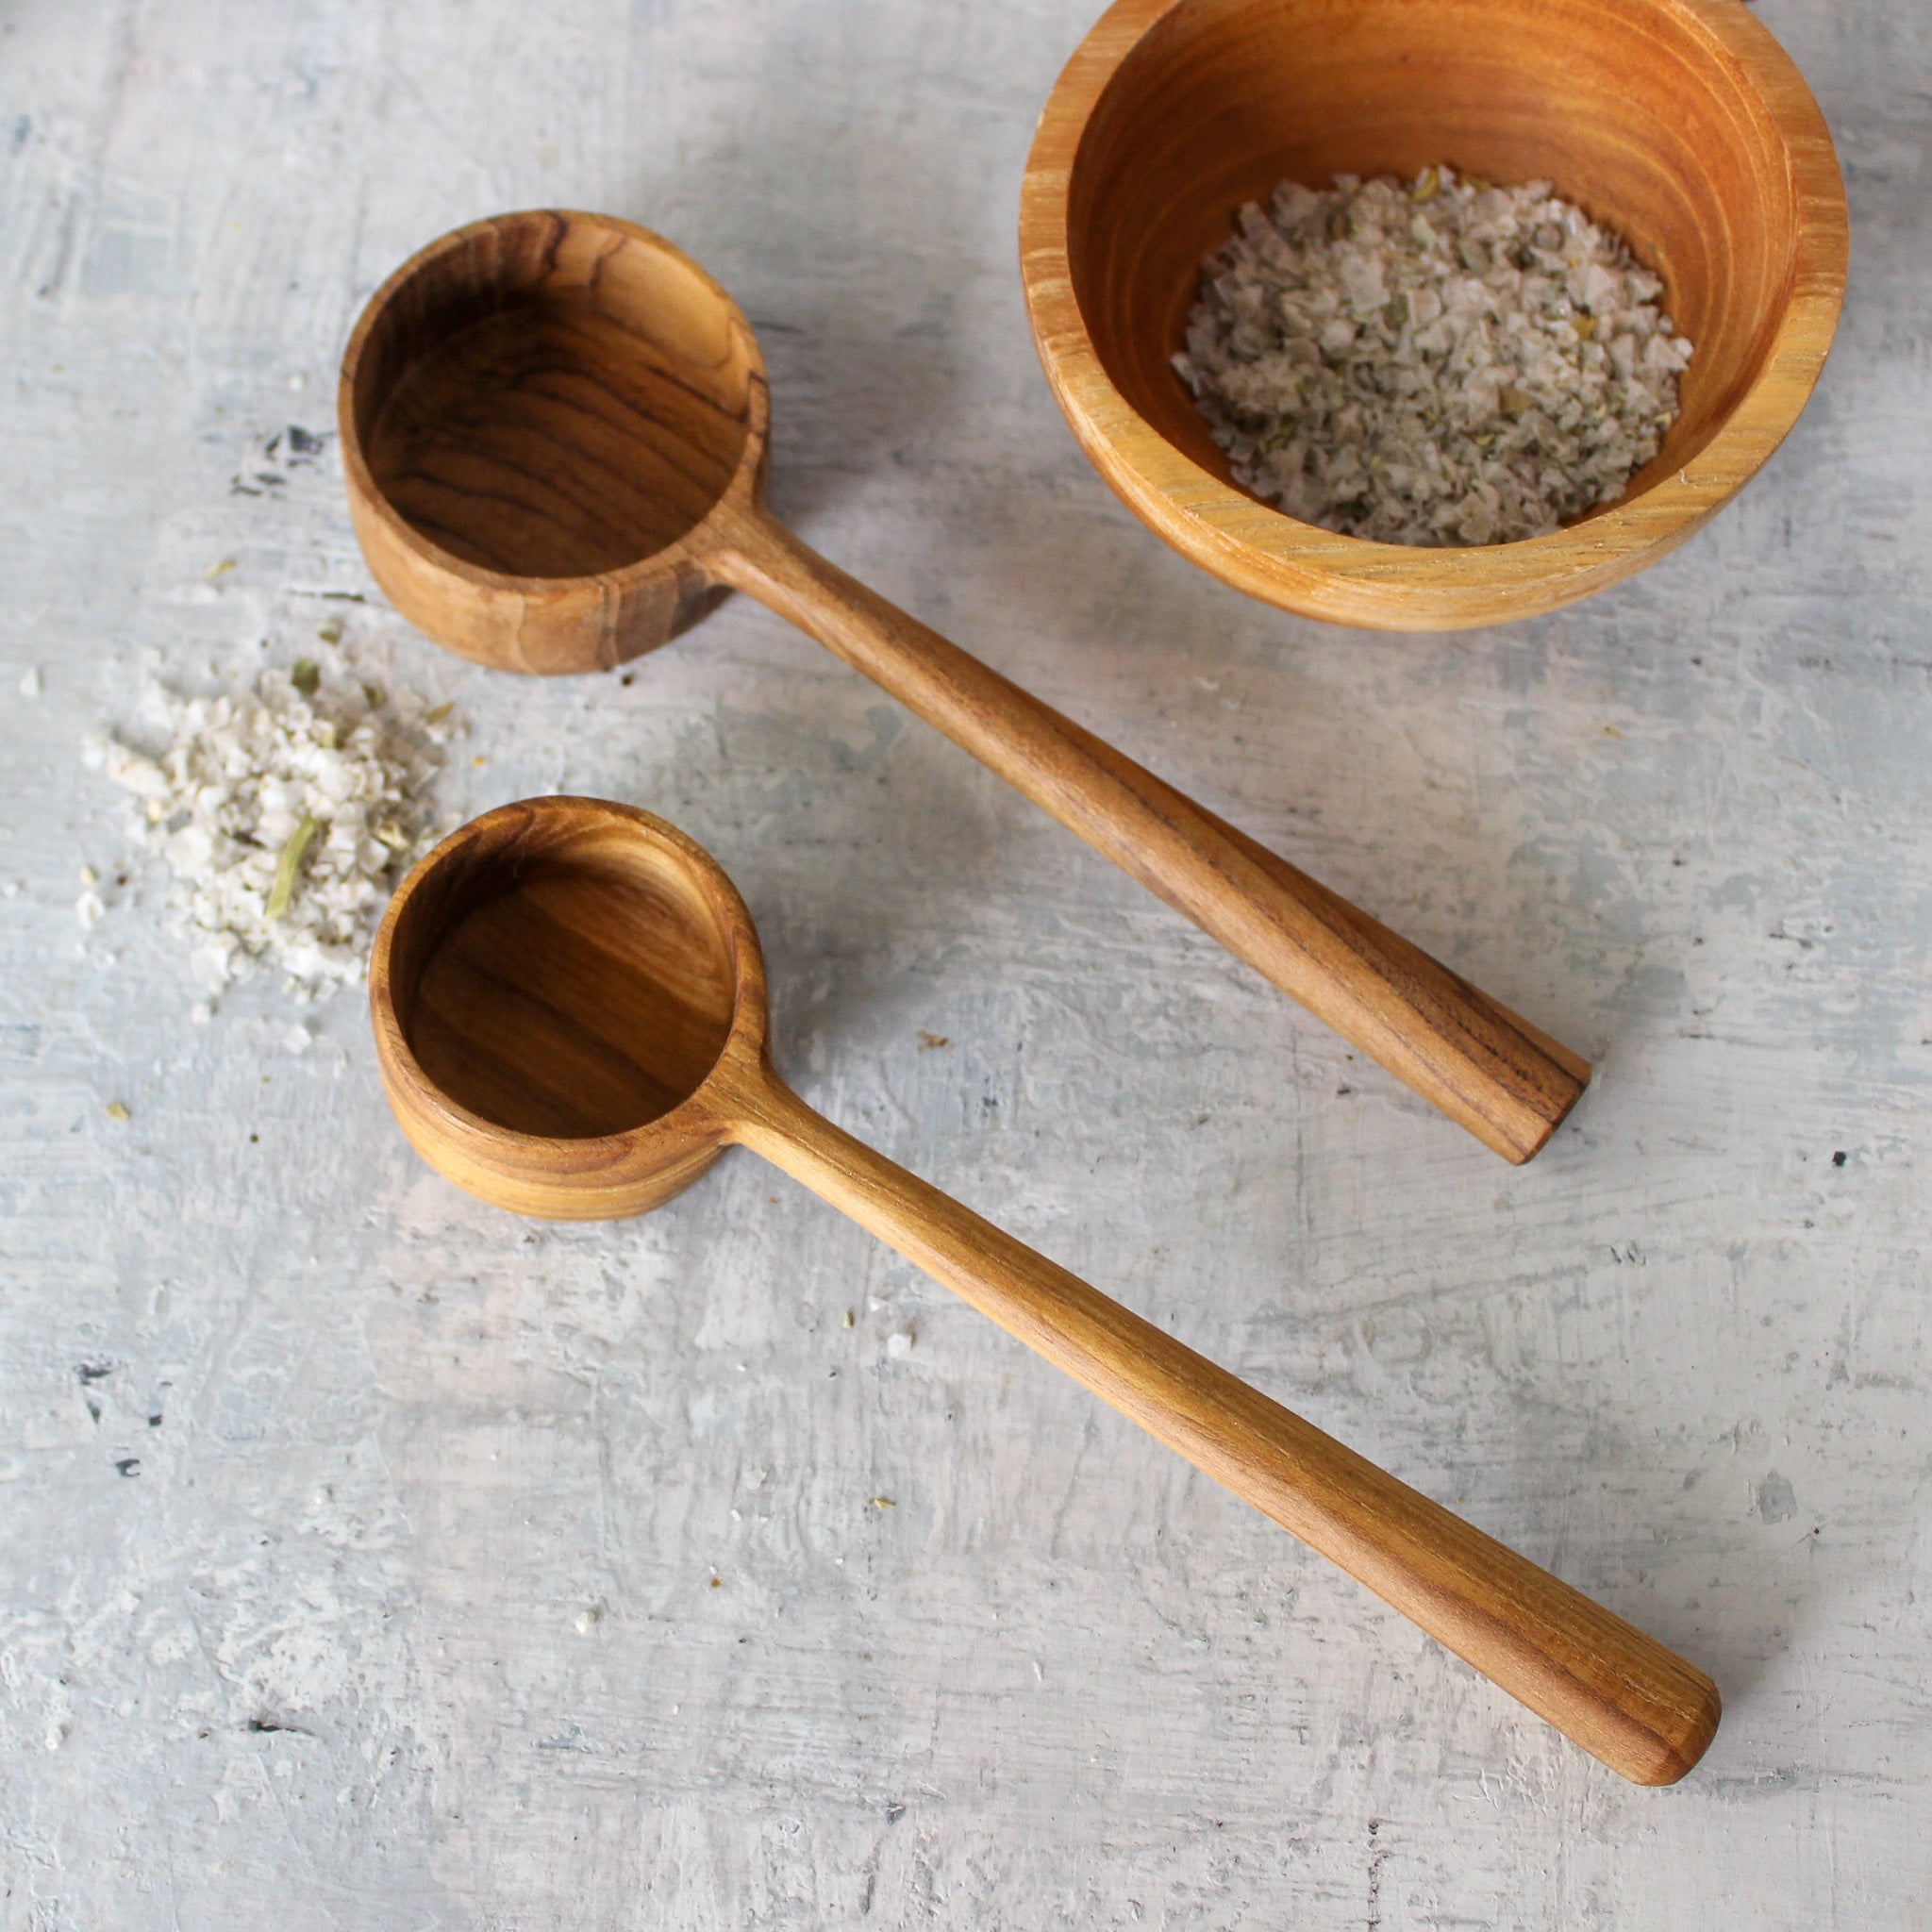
[
  {"x": 570, "y": 980},
  {"x": 1632, "y": 108},
  {"x": 553, "y": 395}
]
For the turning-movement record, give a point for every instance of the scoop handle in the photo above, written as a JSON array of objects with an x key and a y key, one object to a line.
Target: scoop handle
[
  {"x": 1490, "y": 1071},
  {"x": 1625, "y": 1698}
]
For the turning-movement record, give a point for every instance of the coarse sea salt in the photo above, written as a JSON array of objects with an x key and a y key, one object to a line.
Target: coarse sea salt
[
  {"x": 285, "y": 814},
  {"x": 1440, "y": 362}
]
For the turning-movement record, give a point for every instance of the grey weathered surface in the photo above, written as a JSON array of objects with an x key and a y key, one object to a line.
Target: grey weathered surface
[{"x": 404, "y": 1615}]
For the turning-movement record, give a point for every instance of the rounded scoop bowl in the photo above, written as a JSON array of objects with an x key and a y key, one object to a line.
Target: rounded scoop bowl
[
  {"x": 1680, "y": 123},
  {"x": 539, "y": 414},
  {"x": 562, "y": 992}
]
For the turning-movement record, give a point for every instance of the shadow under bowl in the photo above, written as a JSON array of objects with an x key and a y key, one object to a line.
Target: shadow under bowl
[{"x": 1679, "y": 124}]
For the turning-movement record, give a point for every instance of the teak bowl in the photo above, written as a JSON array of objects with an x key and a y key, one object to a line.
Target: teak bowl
[
  {"x": 553, "y": 424},
  {"x": 1680, "y": 123}
]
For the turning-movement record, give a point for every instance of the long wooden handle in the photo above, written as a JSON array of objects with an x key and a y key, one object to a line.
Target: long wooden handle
[
  {"x": 1488, "y": 1070},
  {"x": 1623, "y": 1696}
]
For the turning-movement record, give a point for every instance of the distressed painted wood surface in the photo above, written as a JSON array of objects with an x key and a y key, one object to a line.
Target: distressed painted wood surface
[{"x": 368, "y": 1560}]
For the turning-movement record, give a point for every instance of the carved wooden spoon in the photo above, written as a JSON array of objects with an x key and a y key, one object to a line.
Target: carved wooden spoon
[
  {"x": 555, "y": 432},
  {"x": 571, "y": 1022}
]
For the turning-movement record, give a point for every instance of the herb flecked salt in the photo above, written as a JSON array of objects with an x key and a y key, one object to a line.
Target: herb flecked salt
[{"x": 1447, "y": 362}]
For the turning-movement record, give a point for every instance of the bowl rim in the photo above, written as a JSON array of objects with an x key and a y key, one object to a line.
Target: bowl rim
[{"x": 1352, "y": 580}]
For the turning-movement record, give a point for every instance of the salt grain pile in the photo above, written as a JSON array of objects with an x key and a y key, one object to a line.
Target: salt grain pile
[
  {"x": 285, "y": 816},
  {"x": 1444, "y": 363}
]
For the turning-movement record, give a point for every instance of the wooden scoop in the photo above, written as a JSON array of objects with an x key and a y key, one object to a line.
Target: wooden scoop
[
  {"x": 571, "y": 1022},
  {"x": 555, "y": 432}
]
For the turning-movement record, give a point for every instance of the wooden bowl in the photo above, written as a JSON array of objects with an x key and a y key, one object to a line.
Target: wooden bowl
[
  {"x": 549, "y": 418},
  {"x": 562, "y": 993},
  {"x": 1680, "y": 123}
]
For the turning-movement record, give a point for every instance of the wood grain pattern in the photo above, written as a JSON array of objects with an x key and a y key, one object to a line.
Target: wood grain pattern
[
  {"x": 646, "y": 992},
  {"x": 554, "y": 428},
  {"x": 539, "y": 441},
  {"x": 1681, "y": 124}
]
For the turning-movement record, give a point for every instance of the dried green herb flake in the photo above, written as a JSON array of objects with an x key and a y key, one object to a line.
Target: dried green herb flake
[{"x": 288, "y": 864}]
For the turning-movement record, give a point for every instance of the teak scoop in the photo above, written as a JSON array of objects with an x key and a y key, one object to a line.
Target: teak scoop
[
  {"x": 554, "y": 426},
  {"x": 571, "y": 1022}
]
